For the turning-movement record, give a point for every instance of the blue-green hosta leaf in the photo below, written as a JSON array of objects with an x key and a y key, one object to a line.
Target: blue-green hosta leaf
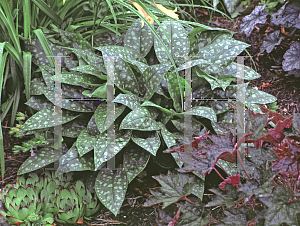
[
  {"x": 101, "y": 116},
  {"x": 100, "y": 92},
  {"x": 85, "y": 142},
  {"x": 90, "y": 58},
  {"x": 45, "y": 119},
  {"x": 219, "y": 54},
  {"x": 174, "y": 187},
  {"x": 180, "y": 44},
  {"x": 70, "y": 162},
  {"x": 249, "y": 73},
  {"x": 42, "y": 158},
  {"x": 37, "y": 86},
  {"x": 135, "y": 160},
  {"x": 78, "y": 106},
  {"x": 111, "y": 187},
  {"x": 139, "y": 39},
  {"x": 89, "y": 69},
  {"x": 140, "y": 119},
  {"x": 100, "y": 148},
  {"x": 130, "y": 100},
  {"x": 154, "y": 75},
  {"x": 120, "y": 51},
  {"x": 150, "y": 144}
]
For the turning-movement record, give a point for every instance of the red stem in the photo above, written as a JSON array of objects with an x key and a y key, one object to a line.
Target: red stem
[
  {"x": 219, "y": 173},
  {"x": 223, "y": 168}
]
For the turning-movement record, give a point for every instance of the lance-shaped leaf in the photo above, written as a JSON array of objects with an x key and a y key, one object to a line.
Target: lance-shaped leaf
[
  {"x": 42, "y": 158},
  {"x": 135, "y": 160},
  {"x": 140, "y": 118},
  {"x": 139, "y": 39},
  {"x": 45, "y": 119},
  {"x": 179, "y": 46},
  {"x": 100, "y": 148},
  {"x": 85, "y": 142},
  {"x": 71, "y": 162},
  {"x": 111, "y": 187},
  {"x": 151, "y": 143}
]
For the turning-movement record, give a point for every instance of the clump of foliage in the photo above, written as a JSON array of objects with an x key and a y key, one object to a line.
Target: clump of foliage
[
  {"x": 269, "y": 195},
  {"x": 287, "y": 16},
  {"x": 41, "y": 201}
]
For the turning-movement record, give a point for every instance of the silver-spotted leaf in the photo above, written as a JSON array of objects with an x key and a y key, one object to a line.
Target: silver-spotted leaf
[{"x": 110, "y": 187}]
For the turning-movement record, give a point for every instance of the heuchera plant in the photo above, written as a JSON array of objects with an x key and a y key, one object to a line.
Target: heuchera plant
[
  {"x": 148, "y": 104},
  {"x": 287, "y": 16},
  {"x": 256, "y": 201}
]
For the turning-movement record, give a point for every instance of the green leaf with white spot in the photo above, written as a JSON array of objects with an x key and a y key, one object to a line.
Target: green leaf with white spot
[
  {"x": 179, "y": 46},
  {"x": 78, "y": 106},
  {"x": 101, "y": 116},
  {"x": 90, "y": 58},
  {"x": 42, "y": 158},
  {"x": 220, "y": 53},
  {"x": 154, "y": 75},
  {"x": 130, "y": 100},
  {"x": 100, "y": 148},
  {"x": 120, "y": 52},
  {"x": 111, "y": 187},
  {"x": 85, "y": 142},
  {"x": 100, "y": 92},
  {"x": 70, "y": 162},
  {"x": 140, "y": 119},
  {"x": 90, "y": 69},
  {"x": 139, "y": 39},
  {"x": 150, "y": 144},
  {"x": 174, "y": 89},
  {"x": 135, "y": 160},
  {"x": 45, "y": 119}
]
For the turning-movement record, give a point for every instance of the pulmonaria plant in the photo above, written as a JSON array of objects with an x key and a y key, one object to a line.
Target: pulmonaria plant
[{"x": 149, "y": 85}]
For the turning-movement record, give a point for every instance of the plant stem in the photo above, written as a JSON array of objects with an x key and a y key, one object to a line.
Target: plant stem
[
  {"x": 219, "y": 173},
  {"x": 222, "y": 168}
]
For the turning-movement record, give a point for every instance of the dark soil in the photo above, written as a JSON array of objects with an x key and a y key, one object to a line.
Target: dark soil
[{"x": 273, "y": 80}]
